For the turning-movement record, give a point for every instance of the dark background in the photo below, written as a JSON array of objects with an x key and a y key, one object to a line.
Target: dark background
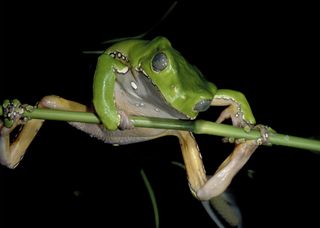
[{"x": 269, "y": 52}]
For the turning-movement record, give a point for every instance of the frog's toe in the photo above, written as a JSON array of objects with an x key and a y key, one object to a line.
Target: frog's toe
[
  {"x": 12, "y": 111},
  {"x": 265, "y": 133},
  {"x": 228, "y": 140}
]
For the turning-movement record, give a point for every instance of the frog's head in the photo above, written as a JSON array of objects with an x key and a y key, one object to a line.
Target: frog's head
[{"x": 181, "y": 84}]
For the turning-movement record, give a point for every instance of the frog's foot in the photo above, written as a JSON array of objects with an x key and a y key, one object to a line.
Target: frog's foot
[
  {"x": 263, "y": 140},
  {"x": 238, "y": 109},
  {"x": 125, "y": 123},
  {"x": 265, "y": 133},
  {"x": 13, "y": 112},
  {"x": 11, "y": 154},
  {"x": 233, "y": 112}
]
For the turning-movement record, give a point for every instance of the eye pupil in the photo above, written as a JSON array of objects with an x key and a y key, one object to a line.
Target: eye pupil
[{"x": 159, "y": 62}]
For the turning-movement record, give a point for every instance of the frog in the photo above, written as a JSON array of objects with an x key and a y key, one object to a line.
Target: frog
[{"x": 148, "y": 78}]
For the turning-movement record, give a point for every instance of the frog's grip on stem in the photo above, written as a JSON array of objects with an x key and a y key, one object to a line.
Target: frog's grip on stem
[
  {"x": 265, "y": 134},
  {"x": 12, "y": 110}
]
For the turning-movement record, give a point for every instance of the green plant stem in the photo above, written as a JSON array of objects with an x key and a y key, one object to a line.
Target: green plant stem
[
  {"x": 152, "y": 197},
  {"x": 198, "y": 127}
]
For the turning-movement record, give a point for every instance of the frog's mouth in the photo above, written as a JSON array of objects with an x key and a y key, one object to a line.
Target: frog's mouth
[{"x": 137, "y": 95}]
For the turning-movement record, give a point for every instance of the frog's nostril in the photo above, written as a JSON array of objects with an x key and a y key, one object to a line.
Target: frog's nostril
[{"x": 202, "y": 105}]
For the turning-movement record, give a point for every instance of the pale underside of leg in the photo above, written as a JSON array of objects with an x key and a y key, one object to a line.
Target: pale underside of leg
[{"x": 11, "y": 154}]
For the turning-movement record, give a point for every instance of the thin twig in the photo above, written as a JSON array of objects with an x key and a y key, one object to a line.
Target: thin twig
[{"x": 198, "y": 127}]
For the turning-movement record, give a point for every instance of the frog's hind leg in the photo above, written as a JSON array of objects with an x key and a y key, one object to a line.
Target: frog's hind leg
[
  {"x": 193, "y": 161},
  {"x": 11, "y": 154},
  {"x": 222, "y": 178},
  {"x": 202, "y": 188}
]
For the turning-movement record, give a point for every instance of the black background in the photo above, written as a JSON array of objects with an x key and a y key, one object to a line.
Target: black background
[{"x": 269, "y": 52}]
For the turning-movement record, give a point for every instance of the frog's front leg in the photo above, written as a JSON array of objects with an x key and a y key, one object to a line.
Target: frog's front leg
[
  {"x": 108, "y": 66},
  {"x": 238, "y": 108},
  {"x": 10, "y": 155}
]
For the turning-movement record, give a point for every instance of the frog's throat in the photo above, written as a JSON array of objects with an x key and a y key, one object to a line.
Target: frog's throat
[{"x": 136, "y": 94}]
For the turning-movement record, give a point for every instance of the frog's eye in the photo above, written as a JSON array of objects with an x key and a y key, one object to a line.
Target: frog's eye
[{"x": 159, "y": 62}]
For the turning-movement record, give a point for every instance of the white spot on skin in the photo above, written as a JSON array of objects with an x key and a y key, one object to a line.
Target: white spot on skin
[
  {"x": 123, "y": 71},
  {"x": 140, "y": 104},
  {"x": 144, "y": 72},
  {"x": 134, "y": 85},
  {"x": 157, "y": 110}
]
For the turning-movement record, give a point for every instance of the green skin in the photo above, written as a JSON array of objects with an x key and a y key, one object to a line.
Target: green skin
[
  {"x": 182, "y": 87},
  {"x": 148, "y": 78},
  {"x": 181, "y": 84}
]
